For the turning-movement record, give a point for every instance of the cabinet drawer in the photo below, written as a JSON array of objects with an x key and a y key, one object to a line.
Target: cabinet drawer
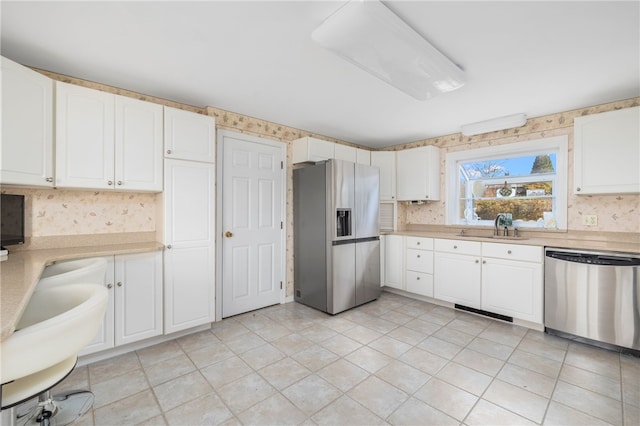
[
  {"x": 420, "y": 260},
  {"x": 420, "y": 283},
  {"x": 456, "y": 246},
  {"x": 420, "y": 243},
  {"x": 513, "y": 252}
]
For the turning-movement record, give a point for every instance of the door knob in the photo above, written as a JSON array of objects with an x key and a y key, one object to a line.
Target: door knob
[{"x": 228, "y": 234}]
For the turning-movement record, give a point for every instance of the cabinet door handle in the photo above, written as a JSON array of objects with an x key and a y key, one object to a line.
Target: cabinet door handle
[
  {"x": 509, "y": 252},
  {"x": 418, "y": 256},
  {"x": 168, "y": 151},
  {"x": 484, "y": 262},
  {"x": 169, "y": 246},
  {"x": 578, "y": 189},
  {"x": 119, "y": 182},
  {"x": 418, "y": 243},
  {"x": 109, "y": 285},
  {"x": 477, "y": 261},
  {"x": 49, "y": 179},
  {"x": 455, "y": 247},
  {"x": 119, "y": 284},
  {"x": 417, "y": 278},
  {"x": 110, "y": 183}
]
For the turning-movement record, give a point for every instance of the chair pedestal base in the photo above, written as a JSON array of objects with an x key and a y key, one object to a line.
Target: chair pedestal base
[{"x": 64, "y": 408}]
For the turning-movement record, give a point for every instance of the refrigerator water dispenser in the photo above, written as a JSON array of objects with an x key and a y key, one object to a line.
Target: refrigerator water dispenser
[{"x": 343, "y": 223}]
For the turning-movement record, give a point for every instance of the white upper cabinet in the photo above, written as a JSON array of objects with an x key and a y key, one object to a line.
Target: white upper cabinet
[
  {"x": 607, "y": 152},
  {"x": 363, "y": 156},
  {"x": 84, "y": 137},
  {"x": 189, "y": 136},
  {"x": 104, "y": 141},
  {"x": 386, "y": 162},
  {"x": 26, "y": 151},
  {"x": 418, "y": 174},
  {"x": 344, "y": 152},
  {"x": 311, "y": 149},
  {"x": 139, "y": 141}
]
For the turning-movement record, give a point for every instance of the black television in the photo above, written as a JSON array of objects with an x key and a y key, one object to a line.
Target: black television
[{"x": 11, "y": 219}]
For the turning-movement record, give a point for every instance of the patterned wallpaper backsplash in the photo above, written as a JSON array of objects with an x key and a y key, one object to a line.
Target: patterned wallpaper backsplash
[{"x": 52, "y": 212}]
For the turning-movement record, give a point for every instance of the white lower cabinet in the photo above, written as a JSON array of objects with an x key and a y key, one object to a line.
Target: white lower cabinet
[
  {"x": 419, "y": 266},
  {"x": 501, "y": 278},
  {"x": 394, "y": 261},
  {"x": 134, "y": 311},
  {"x": 457, "y": 278},
  {"x": 512, "y": 281}
]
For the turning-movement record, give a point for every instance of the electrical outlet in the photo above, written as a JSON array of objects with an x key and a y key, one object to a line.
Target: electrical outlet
[{"x": 589, "y": 219}]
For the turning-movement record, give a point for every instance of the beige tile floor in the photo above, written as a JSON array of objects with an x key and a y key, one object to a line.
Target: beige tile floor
[{"x": 393, "y": 361}]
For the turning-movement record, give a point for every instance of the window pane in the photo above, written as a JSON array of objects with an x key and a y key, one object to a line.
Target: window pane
[{"x": 522, "y": 186}]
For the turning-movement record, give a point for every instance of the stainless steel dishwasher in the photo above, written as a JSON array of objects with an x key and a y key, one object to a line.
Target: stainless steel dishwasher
[{"x": 593, "y": 297}]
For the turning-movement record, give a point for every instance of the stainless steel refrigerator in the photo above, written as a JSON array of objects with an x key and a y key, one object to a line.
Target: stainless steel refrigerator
[{"x": 336, "y": 235}]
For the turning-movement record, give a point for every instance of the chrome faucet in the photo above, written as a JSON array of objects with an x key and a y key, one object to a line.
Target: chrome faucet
[{"x": 495, "y": 223}]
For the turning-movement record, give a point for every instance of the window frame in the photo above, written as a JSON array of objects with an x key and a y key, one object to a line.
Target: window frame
[{"x": 556, "y": 144}]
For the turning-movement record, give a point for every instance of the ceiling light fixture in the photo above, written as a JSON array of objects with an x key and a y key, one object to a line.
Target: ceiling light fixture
[
  {"x": 495, "y": 124},
  {"x": 369, "y": 35}
]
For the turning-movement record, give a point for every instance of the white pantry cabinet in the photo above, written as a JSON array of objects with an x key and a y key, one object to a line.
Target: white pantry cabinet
[
  {"x": 607, "y": 152},
  {"x": 189, "y": 256},
  {"x": 418, "y": 173},
  {"x": 394, "y": 261},
  {"x": 134, "y": 311},
  {"x": 189, "y": 136},
  {"x": 344, "y": 152},
  {"x": 386, "y": 162},
  {"x": 312, "y": 149},
  {"x": 419, "y": 265},
  {"x": 26, "y": 152},
  {"x": 106, "y": 141}
]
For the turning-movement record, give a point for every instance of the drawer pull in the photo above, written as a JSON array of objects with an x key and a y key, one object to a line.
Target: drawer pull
[
  {"x": 484, "y": 262},
  {"x": 418, "y": 256},
  {"x": 417, "y": 278},
  {"x": 509, "y": 252},
  {"x": 418, "y": 243},
  {"x": 455, "y": 247},
  {"x": 477, "y": 261}
]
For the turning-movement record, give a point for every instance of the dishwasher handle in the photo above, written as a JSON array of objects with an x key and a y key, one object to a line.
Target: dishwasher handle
[{"x": 594, "y": 259}]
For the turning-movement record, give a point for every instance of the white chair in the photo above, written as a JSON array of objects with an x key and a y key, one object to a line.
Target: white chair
[
  {"x": 80, "y": 271},
  {"x": 56, "y": 324}
]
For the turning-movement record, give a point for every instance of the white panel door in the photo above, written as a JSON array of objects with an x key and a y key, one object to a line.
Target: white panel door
[
  {"x": 189, "y": 258},
  {"x": 252, "y": 223},
  {"x": 84, "y": 137},
  {"x": 26, "y": 152},
  {"x": 138, "y": 297},
  {"x": 139, "y": 143}
]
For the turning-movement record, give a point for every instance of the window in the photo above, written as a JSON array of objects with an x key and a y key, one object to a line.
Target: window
[{"x": 527, "y": 180}]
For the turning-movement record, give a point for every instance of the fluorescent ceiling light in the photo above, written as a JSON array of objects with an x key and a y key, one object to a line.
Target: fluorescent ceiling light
[
  {"x": 495, "y": 124},
  {"x": 369, "y": 35}
]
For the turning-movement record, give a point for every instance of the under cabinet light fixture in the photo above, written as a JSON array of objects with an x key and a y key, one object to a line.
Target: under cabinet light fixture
[
  {"x": 372, "y": 37},
  {"x": 495, "y": 124}
]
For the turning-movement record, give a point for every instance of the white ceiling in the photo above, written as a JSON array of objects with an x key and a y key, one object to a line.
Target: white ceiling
[{"x": 258, "y": 59}]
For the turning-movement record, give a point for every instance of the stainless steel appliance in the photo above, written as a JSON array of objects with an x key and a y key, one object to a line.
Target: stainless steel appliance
[
  {"x": 593, "y": 295},
  {"x": 336, "y": 235}
]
